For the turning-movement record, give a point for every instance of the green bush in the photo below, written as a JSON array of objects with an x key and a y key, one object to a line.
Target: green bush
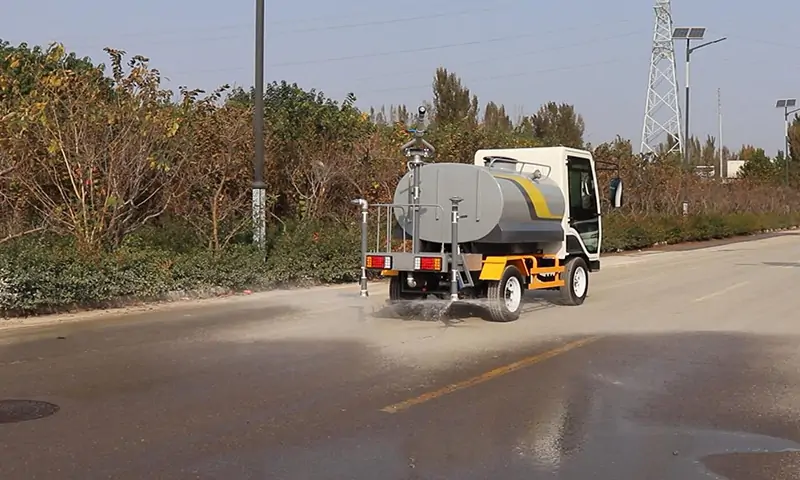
[
  {"x": 41, "y": 275},
  {"x": 622, "y": 233},
  {"x": 45, "y": 274},
  {"x": 315, "y": 253}
]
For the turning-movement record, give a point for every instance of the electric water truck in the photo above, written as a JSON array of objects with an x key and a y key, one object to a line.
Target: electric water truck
[{"x": 515, "y": 219}]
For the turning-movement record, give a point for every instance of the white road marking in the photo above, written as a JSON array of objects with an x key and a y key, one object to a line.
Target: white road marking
[{"x": 721, "y": 292}]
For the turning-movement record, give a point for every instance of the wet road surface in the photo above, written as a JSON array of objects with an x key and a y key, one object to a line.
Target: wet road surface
[{"x": 680, "y": 365}]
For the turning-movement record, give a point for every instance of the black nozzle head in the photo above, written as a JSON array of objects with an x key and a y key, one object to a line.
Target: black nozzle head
[{"x": 422, "y": 111}]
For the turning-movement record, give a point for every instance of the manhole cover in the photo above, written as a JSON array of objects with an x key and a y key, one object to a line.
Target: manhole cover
[{"x": 13, "y": 411}]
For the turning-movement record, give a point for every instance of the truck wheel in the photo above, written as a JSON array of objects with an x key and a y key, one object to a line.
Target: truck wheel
[
  {"x": 505, "y": 295},
  {"x": 576, "y": 282},
  {"x": 400, "y": 302}
]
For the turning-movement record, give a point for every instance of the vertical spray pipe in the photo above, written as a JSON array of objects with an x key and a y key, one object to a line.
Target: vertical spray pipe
[
  {"x": 416, "y": 165},
  {"x": 364, "y": 232},
  {"x": 454, "y": 250}
]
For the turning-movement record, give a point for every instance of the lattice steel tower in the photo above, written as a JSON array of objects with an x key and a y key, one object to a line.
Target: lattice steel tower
[{"x": 662, "y": 116}]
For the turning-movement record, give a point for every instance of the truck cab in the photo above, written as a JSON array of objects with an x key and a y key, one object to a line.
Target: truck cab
[{"x": 573, "y": 169}]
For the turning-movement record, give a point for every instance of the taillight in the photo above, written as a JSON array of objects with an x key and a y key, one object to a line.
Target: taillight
[
  {"x": 428, "y": 263},
  {"x": 379, "y": 261}
]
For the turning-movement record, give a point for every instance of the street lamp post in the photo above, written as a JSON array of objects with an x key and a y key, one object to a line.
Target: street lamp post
[
  {"x": 259, "y": 187},
  {"x": 786, "y": 104},
  {"x": 689, "y": 34}
]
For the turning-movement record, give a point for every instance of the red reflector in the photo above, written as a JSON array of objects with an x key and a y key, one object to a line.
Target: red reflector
[
  {"x": 379, "y": 261},
  {"x": 428, "y": 263}
]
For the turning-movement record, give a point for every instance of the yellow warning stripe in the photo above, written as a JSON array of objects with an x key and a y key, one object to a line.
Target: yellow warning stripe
[
  {"x": 534, "y": 194},
  {"x": 491, "y": 374}
]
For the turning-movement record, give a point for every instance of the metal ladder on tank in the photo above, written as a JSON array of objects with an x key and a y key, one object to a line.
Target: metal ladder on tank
[{"x": 464, "y": 275}]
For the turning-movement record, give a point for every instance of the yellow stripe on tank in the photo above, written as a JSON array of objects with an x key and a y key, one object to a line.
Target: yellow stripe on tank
[{"x": 535, "y": 195}]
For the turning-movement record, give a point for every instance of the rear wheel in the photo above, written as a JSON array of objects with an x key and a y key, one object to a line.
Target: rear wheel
[
  {"x": 399, "y": 301},
  {"x": 505, "y": 295},
  {"x": 576, "y": 282}
]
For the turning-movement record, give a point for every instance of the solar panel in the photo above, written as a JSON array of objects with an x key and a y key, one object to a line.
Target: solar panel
[
  {"x": 791, "y": 102},
  {"x": 681, "y": 33},
  {"x": 696, "y": 33},
  {"x": 781, "y": 104}
]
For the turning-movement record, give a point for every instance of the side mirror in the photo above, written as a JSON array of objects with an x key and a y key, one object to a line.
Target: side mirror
[{"x": 616, "y": 192}]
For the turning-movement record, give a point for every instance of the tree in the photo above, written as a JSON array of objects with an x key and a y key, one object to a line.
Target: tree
[
  {"x": 94, "y": 164},
  {"x": 794, "y": 139},
  {"x": 757, "y": 165},
  {"x": 452, "y": 103},
  {"x": 558, "y": 124},
  {"x": 23, "y": 66},
  {"x": 215, "y": 191},
  {"x": 312, "y": 146},
  {"x": 495, "y": 118}
]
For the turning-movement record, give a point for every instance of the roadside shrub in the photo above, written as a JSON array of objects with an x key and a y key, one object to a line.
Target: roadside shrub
[
  {"x": 630, "y": 233},
  {"x": 42, "y": 275},
  {"x": 309, "y": 253}
]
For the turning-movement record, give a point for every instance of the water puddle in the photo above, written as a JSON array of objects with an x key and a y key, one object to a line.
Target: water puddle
[{"x": 620, "y": 448}]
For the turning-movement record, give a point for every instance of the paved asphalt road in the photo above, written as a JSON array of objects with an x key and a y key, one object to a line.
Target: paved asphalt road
[{"x": 679, "y": 364}]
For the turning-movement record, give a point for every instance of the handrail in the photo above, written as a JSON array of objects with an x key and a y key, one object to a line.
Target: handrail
[
  {"x": 455, "y": 257},
  {"x": 390, "y": 210}
]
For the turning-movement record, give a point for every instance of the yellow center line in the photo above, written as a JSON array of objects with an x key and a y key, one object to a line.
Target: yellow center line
[{"x": 499, "y": 371}]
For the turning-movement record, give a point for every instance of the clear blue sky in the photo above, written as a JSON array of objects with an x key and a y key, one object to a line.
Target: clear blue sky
[{"x": 593, "y": 54}]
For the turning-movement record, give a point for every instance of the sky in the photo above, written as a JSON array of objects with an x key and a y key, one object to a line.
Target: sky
[{"x": 521, "y": 53}]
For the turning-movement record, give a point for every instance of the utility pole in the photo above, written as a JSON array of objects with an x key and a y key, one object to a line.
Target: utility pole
[
  {"x": 259, "y": 187},
  {"x": 689, "y": 34},
  {"x": 719, "y": 113},
  {"x": 786, "y": 104}
]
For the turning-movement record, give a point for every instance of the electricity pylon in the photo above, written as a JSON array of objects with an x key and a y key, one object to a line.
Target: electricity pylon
[{"x": 662, "y": 116}]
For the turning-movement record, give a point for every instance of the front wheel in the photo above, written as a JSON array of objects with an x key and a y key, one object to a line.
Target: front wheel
[
  {"x": 576, "y": 282},
  {"x": 505, "y": 296}
]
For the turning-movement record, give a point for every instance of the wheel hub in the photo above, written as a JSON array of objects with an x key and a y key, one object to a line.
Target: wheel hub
[
  {"x": 513, "y": 294},
  {"x": 579, "y": 282}
]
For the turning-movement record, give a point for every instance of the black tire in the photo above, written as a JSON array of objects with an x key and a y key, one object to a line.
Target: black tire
[
  {"x": 399, "y": 301},
  {"x": 574, "y": 293},
  {"x": 498, "y": 308}
]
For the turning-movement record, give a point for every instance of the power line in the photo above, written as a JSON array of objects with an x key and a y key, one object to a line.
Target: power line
[
  {"x": 247, "y": 27},
  {"x": 766, "y": 42},
  {"x": 423, "y": 49},
  {"x": 506, "y": 75},
  {"x": 171, "y": 31},
  {"x": 527, "y": 53},
  {"x": 476, "y": 61},
  {"x": 158, "y": 42},
  {"x": 415, "y": 18},
  {"x": 328, "y": 18}
]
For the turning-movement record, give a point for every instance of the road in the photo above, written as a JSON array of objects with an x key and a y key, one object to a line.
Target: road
[{"x": 680, "y": 365}]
